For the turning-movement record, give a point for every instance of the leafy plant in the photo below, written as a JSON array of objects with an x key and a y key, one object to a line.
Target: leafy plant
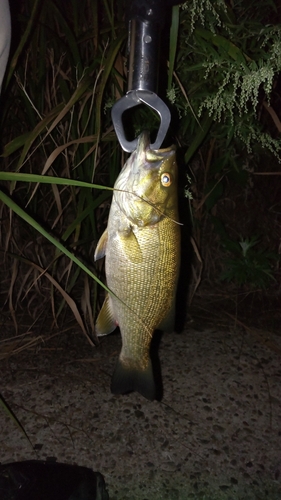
[
  {"x": 227, "y": 63},
  {"x": 226, "y": 90},
  {"x": 249, "y": 265}
]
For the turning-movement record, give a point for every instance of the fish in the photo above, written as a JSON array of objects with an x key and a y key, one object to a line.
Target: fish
[{"x": 141, "y": 246}]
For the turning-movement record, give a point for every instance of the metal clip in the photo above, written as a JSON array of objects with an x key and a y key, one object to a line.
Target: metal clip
[
  {"x": 146, "y": 20},
  {"x": 135, "y": 98}
]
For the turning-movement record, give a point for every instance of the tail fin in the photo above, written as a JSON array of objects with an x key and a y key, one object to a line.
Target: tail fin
[{"x": 133, "y": 378}]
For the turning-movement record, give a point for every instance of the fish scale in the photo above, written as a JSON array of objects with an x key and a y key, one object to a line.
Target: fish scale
[{"x": 142, "y": 249}]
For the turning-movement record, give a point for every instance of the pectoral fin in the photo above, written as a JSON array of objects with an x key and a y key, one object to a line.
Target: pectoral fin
[
  {"x": 101, "y": 246},
  {"x": 106, "y": 322},
  {"x": 130, "y": 246}
]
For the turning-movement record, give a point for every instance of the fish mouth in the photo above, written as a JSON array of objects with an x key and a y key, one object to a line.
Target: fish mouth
[
  {"x": 138, "y": 158},
  {"x": 143, "y": 142},
  {"x": 145, "y": 159},
  {"x": 144, "y": 148}
]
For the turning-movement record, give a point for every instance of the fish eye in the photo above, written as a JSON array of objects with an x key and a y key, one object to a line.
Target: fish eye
[{"x": 166, "y": 179}]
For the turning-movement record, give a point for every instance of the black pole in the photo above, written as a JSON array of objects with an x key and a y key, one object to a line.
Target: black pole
[{"x": 146, "y": 19}]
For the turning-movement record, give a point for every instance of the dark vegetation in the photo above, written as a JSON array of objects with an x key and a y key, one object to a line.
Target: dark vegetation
[{"x": 67, "y": 68}]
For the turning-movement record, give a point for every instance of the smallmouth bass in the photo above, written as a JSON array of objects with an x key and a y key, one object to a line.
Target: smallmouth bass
[{"x": 142, "y": 249}]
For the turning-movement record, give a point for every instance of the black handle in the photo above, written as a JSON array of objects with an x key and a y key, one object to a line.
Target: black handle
[{"x": 146, "y": 19}]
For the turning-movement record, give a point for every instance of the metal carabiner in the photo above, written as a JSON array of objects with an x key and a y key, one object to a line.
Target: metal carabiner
[{"x": 130, "y": 100}]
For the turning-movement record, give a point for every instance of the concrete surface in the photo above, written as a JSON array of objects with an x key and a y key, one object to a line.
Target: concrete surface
[{"x": 215, "y": 435}]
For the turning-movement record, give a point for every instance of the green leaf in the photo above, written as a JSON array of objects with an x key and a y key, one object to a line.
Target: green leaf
[
  {"x": 173, "y": 43},
  {"x": 223, "y": 43},
  {"x": 42, "y": 179},
  {"x": 28, "y": 138},
  {"x": 11, "y": 68},
  {"x": 57, "y": 114},
  {"x": 204, "y": 128},
  {"x": 25, "y": 216},
  {"x": 109, "y": 63},
  {"x": 214, "y": 191}
]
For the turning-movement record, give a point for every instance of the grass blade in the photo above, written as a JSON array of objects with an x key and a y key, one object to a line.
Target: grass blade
[
  {"x": 17, "y": 176},
  {"x": 19, "y": 211},
  {"x": 173, "y": 43},
  {"x": 11, "y": 414},
  {"x": 37, "y": 5}
]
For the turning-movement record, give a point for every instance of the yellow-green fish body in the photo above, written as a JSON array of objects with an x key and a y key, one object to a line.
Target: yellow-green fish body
[{"x": 142, "y": 248}]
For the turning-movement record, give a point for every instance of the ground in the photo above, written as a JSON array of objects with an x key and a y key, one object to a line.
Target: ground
[{"x": 215, "y": 435}]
